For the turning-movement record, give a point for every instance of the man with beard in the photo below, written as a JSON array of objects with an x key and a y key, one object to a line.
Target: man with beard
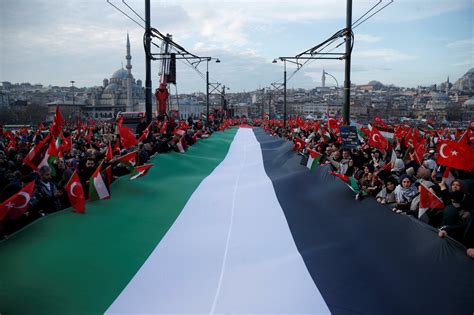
[
  {"x": 46, "y": 194},
  {"x": 85, "y": 173}
]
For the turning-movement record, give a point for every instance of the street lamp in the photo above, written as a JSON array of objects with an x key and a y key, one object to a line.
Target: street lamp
[
  {"x": 223, "y": 100},
  {"x": 207, "y": 86},
  {"x": 285, "y": 59},
  {"x": 72, "y": 89},
  {"x": 73, "y": 99},
  {"x": 325, "y": 73},
  {"x": 269, "y": 90},
  {"x": 337, "y": 89}
]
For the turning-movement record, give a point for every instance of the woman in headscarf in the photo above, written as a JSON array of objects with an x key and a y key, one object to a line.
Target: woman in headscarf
[
  {"x": 404, "y": 193},
  {"x": 387, "y": 194}
]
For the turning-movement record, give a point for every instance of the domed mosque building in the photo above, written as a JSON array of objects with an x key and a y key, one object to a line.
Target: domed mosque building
[{"x": 120, "y": 93}]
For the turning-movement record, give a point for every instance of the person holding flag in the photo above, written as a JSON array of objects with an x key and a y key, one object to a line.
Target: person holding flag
[
  {"x": 46, "y": 195},
  {"x": 457, "y": 221},
  {"x": 76, "y": 193},
  {"x": 17, "y": 204}
]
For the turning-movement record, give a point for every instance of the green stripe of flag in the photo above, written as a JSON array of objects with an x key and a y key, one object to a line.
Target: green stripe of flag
[
  {"x": 69, "y": 263},
  {"x": 313, "y": 162}
]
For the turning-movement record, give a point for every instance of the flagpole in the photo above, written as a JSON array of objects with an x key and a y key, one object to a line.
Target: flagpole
[
  {"x": 284, "y": 95},
  {"x": 207, "y": 91},
  {"x": 148, "y": 104},
  {"x": 347, "y": 57}
]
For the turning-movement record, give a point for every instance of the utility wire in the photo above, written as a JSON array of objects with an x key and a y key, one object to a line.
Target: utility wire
[
  {"x": 373, "y": 7},
  {"x": 355, "y": 26},
  {"x": 128, "y": 16},
  {"x": 319, "y": 49},
  {"x": 309, "y": 61},
  {"x": 131, "y": 9},
  {"x": 165, "y": 39}
]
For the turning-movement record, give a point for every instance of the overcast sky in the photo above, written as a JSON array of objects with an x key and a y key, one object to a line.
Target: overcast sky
[{"x": 410, "y": 43}]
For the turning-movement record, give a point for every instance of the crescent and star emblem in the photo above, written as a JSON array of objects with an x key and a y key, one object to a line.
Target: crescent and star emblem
[
  {"x": 71, "y": 190},
  {"x": 441, "y": 151},
  {"x": 27, "y": 199}
]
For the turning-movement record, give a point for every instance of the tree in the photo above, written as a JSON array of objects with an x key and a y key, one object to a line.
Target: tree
[
  {"x": 454, "y": 113},
  {"x": 31, "y": 114}
]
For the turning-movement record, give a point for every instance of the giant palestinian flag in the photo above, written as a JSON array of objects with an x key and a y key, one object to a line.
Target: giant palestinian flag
[{"x": 235, "y": 225}]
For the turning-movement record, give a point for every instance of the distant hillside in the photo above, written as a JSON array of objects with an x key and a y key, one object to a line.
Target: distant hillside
[{"x": 466, "y": 82}]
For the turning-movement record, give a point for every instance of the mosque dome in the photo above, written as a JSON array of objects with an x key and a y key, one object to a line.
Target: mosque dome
[
  {"x": 112, "y": 87},
  {"x": 469, "y": 103},
  {"x": 120, "y": 74}
]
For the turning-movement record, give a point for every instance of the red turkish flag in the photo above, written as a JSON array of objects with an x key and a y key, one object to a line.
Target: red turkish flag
[
  {"x": 180, "y": 132},
  {"x": 299, "y": 122},
  {"x": 57, "y": 124},
  {"x": 66, "y": 144},
  {"x": 376, "y": 140},
  {"x": 117, "y": 147},
  {"x": 11, "y": 144},
  {"x": 17, "y": 204},
  {"x": 456, "y": 154},
  {"x": 76, "y": 193},
  {"x": 36, "y": 154},
  {"x": 127, "y": 137},
  {"x": 88, "y": 135},
  {"x": 467, "y": 137},
  {"x": 458, "y": 134},
  {"x": 418, "y": 153},
  {"x": 183, "y": 125},
  {"x": 164, "y": 127},
  {"x": 145, "y": 134},
  {"x": 379, "y": 122},
  {"x": 429, "y": 200},
  {"x": 120, "y": 122},
  {"x": 333, "y": 123},
  {"x": 299, "y": 145},
  {"x": 109, "y": 154}
]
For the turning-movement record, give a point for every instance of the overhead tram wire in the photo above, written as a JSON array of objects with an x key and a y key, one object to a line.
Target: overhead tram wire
[
  {"x": 131, "y": 9},
  {"x": 189, "y": 64},
  {"x": 178, "y": 49},
  {"x": 367, "y": 12},
  {"x": 319, "y": 49},
  {"x": 128, "y": 16},
  {"x": 318, "y": 52},
  {"x": 355, "y": 26},
  {"x": 315, "y": 50},
  {"x": 181, "y": 52}
]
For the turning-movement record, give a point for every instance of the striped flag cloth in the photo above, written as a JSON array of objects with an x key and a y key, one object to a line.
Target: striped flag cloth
[
  {"x": 313, "y": 159},
  {"x": 141, "y": 171},
  {"x": 235, "y": 226},
  {"x": 97, "y": 186}
]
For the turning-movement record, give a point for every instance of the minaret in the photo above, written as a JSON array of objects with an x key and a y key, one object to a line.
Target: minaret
[
  {"x": 324, "y": 78},
  {"x": 447, "y": 85},
  {"x": 129, "y": 77}
]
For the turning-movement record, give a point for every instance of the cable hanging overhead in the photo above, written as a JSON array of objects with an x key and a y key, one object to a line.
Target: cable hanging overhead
[
  {"x": 319, "y": 51},
  {"x": 322, "y": 51}
]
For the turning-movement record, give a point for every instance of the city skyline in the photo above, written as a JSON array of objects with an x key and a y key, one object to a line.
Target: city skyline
[{"x": 409, "y": 43}]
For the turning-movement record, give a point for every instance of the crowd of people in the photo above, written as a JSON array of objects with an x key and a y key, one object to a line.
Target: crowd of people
[
  {"x": 410, "y": 168},
  {"x": 82, "y": 148},
  {"x": 405, "y": 174}
]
